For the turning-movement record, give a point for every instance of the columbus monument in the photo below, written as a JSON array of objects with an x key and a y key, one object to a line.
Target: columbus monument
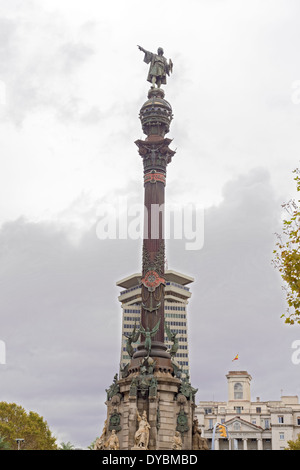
[{"x": 150, "y": 404}]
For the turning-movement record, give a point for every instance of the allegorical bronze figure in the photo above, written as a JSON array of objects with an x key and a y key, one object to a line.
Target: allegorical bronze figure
[
  {"x": 131, "y": 338},
  {"x": 148, "y": 335},
  {"x": 159, "y": 67},
  {"x": 173, "y": 338}
]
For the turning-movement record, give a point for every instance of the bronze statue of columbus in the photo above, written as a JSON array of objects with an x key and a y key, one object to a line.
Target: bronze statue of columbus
[{"x": 159, "y": 67}]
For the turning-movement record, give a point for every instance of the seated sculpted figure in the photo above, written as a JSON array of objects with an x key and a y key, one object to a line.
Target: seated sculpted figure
[
  {"x": 112, "y": 442},
  {"x": 177, "y": 441}
]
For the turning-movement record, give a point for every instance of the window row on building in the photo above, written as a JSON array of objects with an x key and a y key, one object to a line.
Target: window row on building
[
  {"x": 175, "y": 308},
  {"x": 134, "y": 319},
  {"x": 175, "y": 315},
  {"x": 170, "y": 323},
  {"x": 176, "y": 323},
  {"x": 132, "y": 310},
  {"x": 180, "y": 286}
]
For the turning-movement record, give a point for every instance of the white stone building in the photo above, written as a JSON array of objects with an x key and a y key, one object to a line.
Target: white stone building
[{"x": 251, "y": 425}]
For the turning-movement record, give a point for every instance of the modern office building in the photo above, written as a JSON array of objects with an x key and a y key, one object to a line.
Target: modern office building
[
  {"x": 251, "y": 425},
  {"x": 177, "y": 295}
]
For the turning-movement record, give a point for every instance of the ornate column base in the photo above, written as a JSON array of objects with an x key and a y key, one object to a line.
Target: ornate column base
[{"x": 159, "y": 397}]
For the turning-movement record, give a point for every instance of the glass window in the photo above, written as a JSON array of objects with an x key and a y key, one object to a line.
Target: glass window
[
  {"x": 267, "y": 424},
  {"x": 238, "y": 409},
  {"x": 280, "y": 419},
  {"x": 238, "y": 391}
]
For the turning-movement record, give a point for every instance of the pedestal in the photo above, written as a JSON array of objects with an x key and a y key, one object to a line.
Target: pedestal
[{"x": 167, "y": 411}]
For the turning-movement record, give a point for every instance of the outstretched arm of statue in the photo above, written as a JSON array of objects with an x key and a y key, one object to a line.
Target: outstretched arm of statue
[
  {"x": 142, "y": 330},
  {"x": 142, "y": 49}
]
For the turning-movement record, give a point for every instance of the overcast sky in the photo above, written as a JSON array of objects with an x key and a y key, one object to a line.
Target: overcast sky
[{"x": 72, "y": 84}]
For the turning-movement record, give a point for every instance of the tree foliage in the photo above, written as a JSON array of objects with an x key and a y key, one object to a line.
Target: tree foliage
[
  {"x": 92, "y": 445},
  {"x": 66, "y": 446},
  {"x": 287, "y": 257},
  {"x": 294, "y": 445},
  {"x": 16, "y": 423},
  {"x": 4, "y": 445}
]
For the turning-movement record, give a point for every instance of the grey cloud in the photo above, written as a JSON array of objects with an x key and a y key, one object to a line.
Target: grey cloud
[
  {"x": 74, "y": 54},
  {"x": 237, "y": 298},
  {"x": 37, "y": 60},
  {"x": 61, "y": 323}
]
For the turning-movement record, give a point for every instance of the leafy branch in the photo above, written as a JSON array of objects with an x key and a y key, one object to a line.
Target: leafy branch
[{"x": 287, "y": 257}]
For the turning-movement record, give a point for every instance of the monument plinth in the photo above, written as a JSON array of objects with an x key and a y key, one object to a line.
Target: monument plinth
[{"x": 151, "y": 405}]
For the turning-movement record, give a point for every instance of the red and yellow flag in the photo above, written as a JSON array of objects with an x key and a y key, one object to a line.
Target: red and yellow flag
[{"x": 235, "y": 358}]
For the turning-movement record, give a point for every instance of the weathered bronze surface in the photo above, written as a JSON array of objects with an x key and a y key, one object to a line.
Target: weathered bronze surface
[
  {"x": 174, "y": 339},
  {"x": 148, "y": 335},
  {"x": 131, "y": 338},
  {"x": 159, "y": 66}
]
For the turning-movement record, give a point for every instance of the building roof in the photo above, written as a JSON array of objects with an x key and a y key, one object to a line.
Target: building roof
[
  {"x": 130, "y": 281},
  {"x": 174, "y": 276},
  {"x": 238, "y": 418},
  {"x": 170, "y": 275},
  {"x": 238, "y": 373}
]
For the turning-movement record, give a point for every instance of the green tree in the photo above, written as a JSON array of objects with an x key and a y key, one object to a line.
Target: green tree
[
  {"x": 4, "y": 445},
  {"x": 294, "y": 445},
  {"x": 287, "y": 257},
  {"x": 92, "y": 445},
  {"x": 15, "y": 423},
  {"x": 66, "y": 446}
]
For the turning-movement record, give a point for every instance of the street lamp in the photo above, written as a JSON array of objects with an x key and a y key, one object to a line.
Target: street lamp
[{"x": 18, "y": 440}]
